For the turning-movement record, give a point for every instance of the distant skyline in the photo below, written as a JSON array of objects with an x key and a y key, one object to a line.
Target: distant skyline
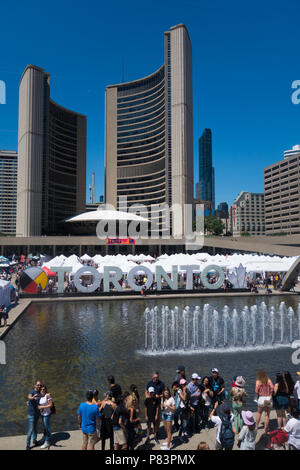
[{"x": 245, "y": 59}]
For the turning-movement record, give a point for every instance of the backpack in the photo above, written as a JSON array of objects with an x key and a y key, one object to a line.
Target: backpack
[
  {"x": 115, "y": 416},
  {"x": 107, "y": 412},
  {"x": 227, "y": 434}
]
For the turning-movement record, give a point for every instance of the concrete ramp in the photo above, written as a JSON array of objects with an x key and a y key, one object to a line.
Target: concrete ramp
[{"x": 291, "y": 275}]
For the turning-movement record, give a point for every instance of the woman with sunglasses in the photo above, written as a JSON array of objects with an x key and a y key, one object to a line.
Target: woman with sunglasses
[{"x": 45, "y": 405}]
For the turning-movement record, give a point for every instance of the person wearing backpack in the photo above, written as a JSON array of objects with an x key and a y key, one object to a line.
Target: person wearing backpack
[
  {"x": 106, "y": 409},
  {"x": 226, "y": 431}
]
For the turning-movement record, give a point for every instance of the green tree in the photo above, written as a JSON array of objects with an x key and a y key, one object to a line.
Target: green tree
[{"x": 213, "y": 225}]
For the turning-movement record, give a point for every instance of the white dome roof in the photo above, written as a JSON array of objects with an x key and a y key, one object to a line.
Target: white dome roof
[{"x": 95, "y": 216}]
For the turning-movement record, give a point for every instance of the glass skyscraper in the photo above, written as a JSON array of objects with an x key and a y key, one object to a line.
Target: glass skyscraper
[{"x": 205, "y": 189}]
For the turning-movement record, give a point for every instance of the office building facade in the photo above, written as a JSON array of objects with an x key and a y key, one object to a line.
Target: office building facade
[
  {"x": 282, "y": 192},
  {"x": 222, "y": 210},
  {"x": 205, "y": 188},
  {"x": 52, "y": 158},
  {"x": 247, "y": 214},
  {"x": 8, "y": 191},
  {"x": 149, "y": 137}
]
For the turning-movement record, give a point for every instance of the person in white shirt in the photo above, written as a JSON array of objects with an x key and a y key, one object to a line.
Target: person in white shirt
[
  {"x": 45, "y": 405},
  {"x": 293, "y": 429},
  {"x": 168, "y": 408},
  {"x": 225, "y": 412},
  {"x": 297, "y": 390},
  {"x": 207, "y": 396}
]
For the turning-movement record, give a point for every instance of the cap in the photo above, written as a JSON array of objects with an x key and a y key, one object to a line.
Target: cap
[
  {"x": 215, "y": 370},
  {"x": 298, "y": 373},
  {"x": 151, "y": 389},
  {"x": 180, "y": 368},
  {"x": 196, "y": 376},
  {"x": 182, "y": 381}
]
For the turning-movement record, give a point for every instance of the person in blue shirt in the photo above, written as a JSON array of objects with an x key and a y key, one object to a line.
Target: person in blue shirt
[{"x": 88, "y": 419}]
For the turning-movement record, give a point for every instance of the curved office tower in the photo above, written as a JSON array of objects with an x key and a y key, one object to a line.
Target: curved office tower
[
  {"x": 149, "y": 137},
  {"x": 52, "y": 158}
]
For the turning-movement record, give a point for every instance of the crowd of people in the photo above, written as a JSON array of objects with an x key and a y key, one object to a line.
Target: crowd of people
[{"x": 190, "y": 405}]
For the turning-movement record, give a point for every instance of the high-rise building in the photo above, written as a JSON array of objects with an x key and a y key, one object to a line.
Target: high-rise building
[
  {"x": 282, "y": 191},
  {"x": 205, "y": 188},
  {"x": 294, "y": 152},
  {"x": 51, "y": 158},
  {"x": 222, "y": 210},
  {"x": 149, "y": 136},
  {"x": 247, "y": 214},
  {"x": 8, "y": 191}
]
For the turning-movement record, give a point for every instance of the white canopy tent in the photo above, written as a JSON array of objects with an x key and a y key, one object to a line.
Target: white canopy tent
[{"x": 4, "y": 293}]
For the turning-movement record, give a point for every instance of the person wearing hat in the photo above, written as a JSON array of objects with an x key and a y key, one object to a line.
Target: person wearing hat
[
  {"x": 218, "y": 387},
  {"x": 184, "y": 406},
  {"x": 180, "y": 374},
  {"x": 195, "y": 390},
  {"x": 158, "y": 386},
  {"x": 152, "y": 406},
  {"x": 297, "y": 390},
  {"x": 247, "y": 436},
  {"x": 238, "y": 396}
]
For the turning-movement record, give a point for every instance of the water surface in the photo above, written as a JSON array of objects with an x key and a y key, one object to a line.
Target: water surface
[{"x": 73, "y": 346}]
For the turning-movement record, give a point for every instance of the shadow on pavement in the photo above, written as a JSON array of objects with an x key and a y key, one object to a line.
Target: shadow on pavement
[{"x": 59, "y": 436}]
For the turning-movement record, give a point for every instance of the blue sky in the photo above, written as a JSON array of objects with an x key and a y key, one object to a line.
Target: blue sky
[{"x": 245, "y": 57}]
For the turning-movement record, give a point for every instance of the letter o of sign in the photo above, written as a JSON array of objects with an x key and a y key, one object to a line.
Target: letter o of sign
[
  {"x": 93, "y": 272},
  {"x": 219, "y": 282},
  {"x": 133, "y": 272}
]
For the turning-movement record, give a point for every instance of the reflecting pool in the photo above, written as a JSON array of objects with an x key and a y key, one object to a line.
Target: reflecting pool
[{"x": 73, "y": 346}]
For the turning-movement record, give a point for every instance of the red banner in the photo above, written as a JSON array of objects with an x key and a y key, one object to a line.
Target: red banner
[{"x": 120, "y": 241}]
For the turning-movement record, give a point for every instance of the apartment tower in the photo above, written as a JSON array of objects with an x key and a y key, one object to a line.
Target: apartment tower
[
  {"x": 8, "y": 191},
  {"x": 282, "y": 191}
]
